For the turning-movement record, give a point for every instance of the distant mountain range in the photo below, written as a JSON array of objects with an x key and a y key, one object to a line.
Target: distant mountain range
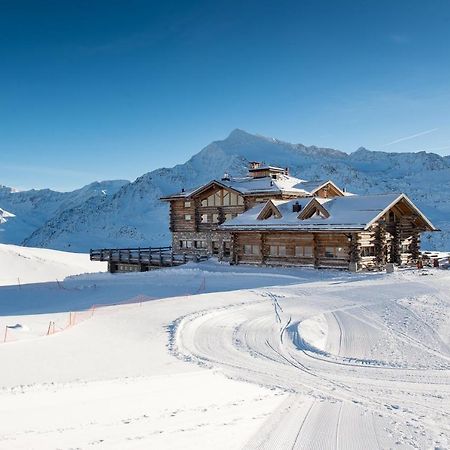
[{"x": 120, "y": 213}]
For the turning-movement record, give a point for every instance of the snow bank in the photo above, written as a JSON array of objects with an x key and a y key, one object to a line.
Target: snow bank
[{"x": 314, "y": 331}]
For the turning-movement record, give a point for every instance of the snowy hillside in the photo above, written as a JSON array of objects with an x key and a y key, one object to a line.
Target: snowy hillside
[
  {"x": 135, "y": 216},
  {"x": 226, "y": 357},
  {"x": 32, "y": 209},
  {"x": 22, "y": 265}
]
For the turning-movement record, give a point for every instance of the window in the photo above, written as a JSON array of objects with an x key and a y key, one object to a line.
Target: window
[
  {"x": 200, "y": 244},
  {"x": 215, "y": 218},
  {"x": 277, "y": 250},
  {"x": 303, "y": 251},
  {"x": 226, "y": 198},
  {"x": 251, "y": 249},
  {"x": 187, "y": 204},
  {"x": 335, "y": 252},
  {"x": 226, "y": 249},
  {"x": 185, "y": 244},
  {"x": 368, "y": 251},
  {"x": 187, "y": 217},
  {"x": 223, "y": 198},
  {"x": 406, "y": 248},
  {"x": 204, "y": 218}
]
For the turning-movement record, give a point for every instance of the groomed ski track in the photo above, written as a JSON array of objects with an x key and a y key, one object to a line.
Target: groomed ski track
[{"x": 381, "y": 379}]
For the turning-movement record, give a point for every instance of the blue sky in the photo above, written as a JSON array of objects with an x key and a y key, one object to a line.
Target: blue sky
[{"x": 101, "y": 90}]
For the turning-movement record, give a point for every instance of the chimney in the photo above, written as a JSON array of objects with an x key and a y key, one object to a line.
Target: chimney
[
  {"x": 296, "y": 207},
  {"x": 182, "y": 189},
  {"x": 226, "y": 177}
]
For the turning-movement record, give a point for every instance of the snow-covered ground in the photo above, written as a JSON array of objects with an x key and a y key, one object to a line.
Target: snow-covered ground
[
  {"x": 20, "y": 265},
  {"x": 216, "y": 356}
]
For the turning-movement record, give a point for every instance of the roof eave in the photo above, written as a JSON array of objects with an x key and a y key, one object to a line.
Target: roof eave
[{"x": 411, "y": 204}]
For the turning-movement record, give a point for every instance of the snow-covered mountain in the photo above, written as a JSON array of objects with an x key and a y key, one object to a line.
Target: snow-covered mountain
[
  {"x": 30, "y": 210},
  {"x": 134, "y": 215}
]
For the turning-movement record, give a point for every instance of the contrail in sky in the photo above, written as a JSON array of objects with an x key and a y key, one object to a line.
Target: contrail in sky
[{"x": 407, "y": 138}]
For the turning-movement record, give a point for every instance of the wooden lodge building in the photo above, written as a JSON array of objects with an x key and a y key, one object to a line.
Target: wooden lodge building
[{"x": 270, "y": 217}]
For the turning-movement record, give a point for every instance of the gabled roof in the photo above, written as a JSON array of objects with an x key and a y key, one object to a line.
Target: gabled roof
[
  {"x": 314, "y": 186},
  {"x": 283, "y": 184},
  {"x": 251, "y": 186},
  {"x": 356, "y": 212}
]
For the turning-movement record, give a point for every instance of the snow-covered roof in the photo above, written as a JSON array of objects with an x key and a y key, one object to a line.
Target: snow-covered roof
[
  {"x": 266, "y": 167},
  {"x": 355, "y": 212},
  {"x": 265, "y": 185}
]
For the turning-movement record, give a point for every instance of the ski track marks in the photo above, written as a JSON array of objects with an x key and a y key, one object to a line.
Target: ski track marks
[{"x": 382, "y": 380}]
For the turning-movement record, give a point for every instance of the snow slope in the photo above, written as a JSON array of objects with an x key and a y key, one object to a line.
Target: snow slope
[
  {"x": 135, "y": 216},
  {"x": 211, "y": 355},
  {"x": 21, "y": 265}
]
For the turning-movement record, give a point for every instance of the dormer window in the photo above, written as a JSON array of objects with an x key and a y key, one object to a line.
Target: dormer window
[
  {"x": 314, "y": 209},
  {"x": 269, "y": 210}
]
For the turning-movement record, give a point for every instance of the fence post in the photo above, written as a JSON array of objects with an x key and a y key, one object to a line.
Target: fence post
[{"x": 6, "y": 333}]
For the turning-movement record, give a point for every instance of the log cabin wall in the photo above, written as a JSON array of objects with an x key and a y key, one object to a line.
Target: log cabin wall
[
  {"x": 289, "y": 249},
  {"x": 292, "y": 248},
  {"x": 332, "y": 250},
  {"x": 182, "y": 215}
]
